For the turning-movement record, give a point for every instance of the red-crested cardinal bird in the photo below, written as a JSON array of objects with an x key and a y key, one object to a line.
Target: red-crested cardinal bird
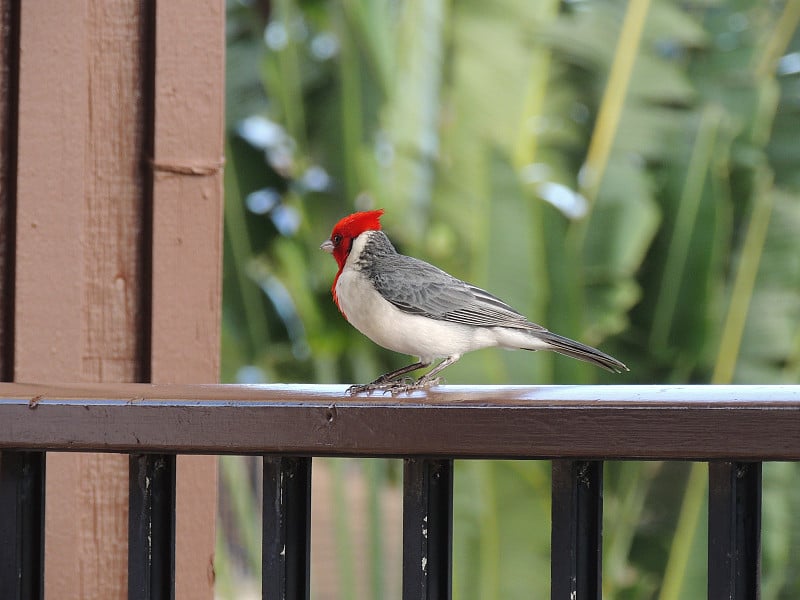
[{"x": 409, "y": 306}]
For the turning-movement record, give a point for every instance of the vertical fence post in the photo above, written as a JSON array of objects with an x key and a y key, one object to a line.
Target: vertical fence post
[
  {"x": 734, "y": 530},
  {"x": 188, "y": 124},
  {"x": 286, "y": 521},
  {"x": 22, "y": 525},
  {"x": 151, "y": 527},
  {"x": 427, "y": 529},
  {"x": 79, "y": 246},
  {"x": 577, "y": 541}
]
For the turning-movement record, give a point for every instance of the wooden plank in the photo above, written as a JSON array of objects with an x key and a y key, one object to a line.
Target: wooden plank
[
  {"x": 80, "y": 282},
  {"x": 581, "y": 422},
  {"x": 734, "y": 530},
  {"x": 78, "y": 276},
  {"x": 114, "y": 227},
  {"x": 187, "y": 191},
  {"x": 427, "y": 529},
  {"x": 188, "y": 107},
  {"x": 49, "y": 252},
  {"x": 577, "y": 525},
  {"x": 49, "y": 255},
  {"x": 286, "y": 529}
]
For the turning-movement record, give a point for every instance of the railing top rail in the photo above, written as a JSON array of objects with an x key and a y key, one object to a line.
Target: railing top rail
[{"x": 603, "y": 422}]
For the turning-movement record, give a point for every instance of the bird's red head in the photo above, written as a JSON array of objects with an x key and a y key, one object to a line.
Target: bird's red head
[{"x": 348, "y": 229}]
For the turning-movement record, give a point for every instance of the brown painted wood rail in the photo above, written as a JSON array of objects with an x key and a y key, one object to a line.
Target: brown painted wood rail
[{"x": 734, "y": 428}]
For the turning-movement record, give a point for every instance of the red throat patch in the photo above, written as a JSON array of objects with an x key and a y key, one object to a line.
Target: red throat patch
[{"x": 342, "y": 236}]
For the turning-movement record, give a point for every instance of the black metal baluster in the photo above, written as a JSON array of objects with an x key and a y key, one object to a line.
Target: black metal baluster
[
  {"x": 427, "y": 529},
  {"x": 151, "y": 527},
  {"x": 734, "y": 530},
  {"x": 576, "y": 538},
  {"x": 286, "y": 542},
  {"x": 22, "y": 525}
]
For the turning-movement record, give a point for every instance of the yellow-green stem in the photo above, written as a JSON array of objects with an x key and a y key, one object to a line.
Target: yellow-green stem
[
  {"x": 744, "y": 283},
  {"x": 675, "y": 572},
  {"x": 616, "y": 90}
]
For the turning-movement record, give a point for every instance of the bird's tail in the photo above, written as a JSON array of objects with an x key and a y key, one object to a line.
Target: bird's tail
[{"x": 569, "y": 347}]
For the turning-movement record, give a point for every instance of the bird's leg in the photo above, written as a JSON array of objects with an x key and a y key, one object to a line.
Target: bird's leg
[
  {"x": 430, "y": 378},
  {"x": 386, "y": 381}
]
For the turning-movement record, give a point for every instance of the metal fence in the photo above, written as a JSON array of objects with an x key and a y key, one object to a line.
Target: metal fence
[{"x": 734, "y": 428}]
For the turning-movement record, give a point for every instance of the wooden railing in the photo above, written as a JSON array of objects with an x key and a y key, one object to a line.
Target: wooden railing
[{"x": 734, "y": 428}]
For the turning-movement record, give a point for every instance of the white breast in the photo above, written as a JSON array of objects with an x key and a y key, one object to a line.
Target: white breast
[{"x": 388, "y": 326}]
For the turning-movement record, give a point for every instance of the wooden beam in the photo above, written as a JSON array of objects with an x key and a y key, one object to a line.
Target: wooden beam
[
  {"x": 578, "y": 422},
  {"x": 101, "y": 104},
  {"x": 74, "y": 271},
  {"x": 187, "y": 248}
]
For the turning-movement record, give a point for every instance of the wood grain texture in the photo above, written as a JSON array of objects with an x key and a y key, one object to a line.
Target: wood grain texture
[
  {"x": 50, "y": 193},
  {"x": 187, "y": 209},
  {"x": 187, "y": 249},
  {"x": 49, "y": 252},
  {"x": 79, "y": 273},
  {"x": 114, "y": 208},
  {"x": 82, "y": 222}
]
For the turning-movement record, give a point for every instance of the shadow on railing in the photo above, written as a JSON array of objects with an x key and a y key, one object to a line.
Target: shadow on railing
[{"x": 734, "y": 428}]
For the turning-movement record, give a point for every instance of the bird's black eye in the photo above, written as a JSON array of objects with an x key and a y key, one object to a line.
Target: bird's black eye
[{"x": 336, "y": 239}]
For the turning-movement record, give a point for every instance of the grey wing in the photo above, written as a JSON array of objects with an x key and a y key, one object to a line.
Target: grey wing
[{"x": 417, "y": 287}]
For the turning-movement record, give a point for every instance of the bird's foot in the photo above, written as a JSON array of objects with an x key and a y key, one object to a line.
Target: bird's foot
[
  {"x": 380, "y": 385},
  {"x": 426, "y": 382},
  {"x": 354, "y": 390},
  {"x": 398, "y": 386}
]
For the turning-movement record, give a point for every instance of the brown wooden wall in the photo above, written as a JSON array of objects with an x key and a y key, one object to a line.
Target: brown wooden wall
[{"x": 111, "y": 128}]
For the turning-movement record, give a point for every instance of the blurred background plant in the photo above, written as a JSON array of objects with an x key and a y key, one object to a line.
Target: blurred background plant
[{"x": 626, "y": 173}]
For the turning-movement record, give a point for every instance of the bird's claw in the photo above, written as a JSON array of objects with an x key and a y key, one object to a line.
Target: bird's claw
[
  {"x": 400, "y": 386},
  {"x": 380, "y": 384},
  {"x": 354, "y": 390},
  {"x": 391, "y": 387}
]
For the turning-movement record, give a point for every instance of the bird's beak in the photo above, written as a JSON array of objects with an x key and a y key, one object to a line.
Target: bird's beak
[{"x": 327, "y": 245}]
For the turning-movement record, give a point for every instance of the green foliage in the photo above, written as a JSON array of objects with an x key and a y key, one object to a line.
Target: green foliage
[{"x": 625, "y": 173}]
